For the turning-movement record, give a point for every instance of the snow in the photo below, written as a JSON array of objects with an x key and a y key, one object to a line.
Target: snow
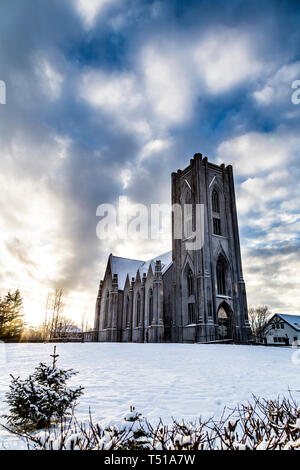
[
  {"x": 125, "y": 266},
  {"x": 166, "y": 261},
  {"x": 159, "y": 380},
  {"x": 292, "y": 320},
  {"x": 72, "y": 329}
]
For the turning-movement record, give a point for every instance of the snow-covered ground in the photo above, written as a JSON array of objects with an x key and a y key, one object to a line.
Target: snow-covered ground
[{"x": 160, "y": 380}]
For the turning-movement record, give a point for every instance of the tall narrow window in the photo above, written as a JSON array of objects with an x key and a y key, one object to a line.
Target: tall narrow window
[
  {"x": 217, "y": 226},
  {"x": 221, "y": 277},
  {"x": 188, "y": 217},
  {"x": 150, "y": 306},
  {"x": 191, "y": 312},
  {"x": 106, "y": 311},
  {"x": 138, "y": 309},
  {"x": 215, "y": 201},
  {"x": 190, "y": 282},
  {"x": 127, "y": 312}
]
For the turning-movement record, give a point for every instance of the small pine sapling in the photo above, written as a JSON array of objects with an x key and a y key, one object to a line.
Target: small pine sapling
[{"x": 43, "y": 397}]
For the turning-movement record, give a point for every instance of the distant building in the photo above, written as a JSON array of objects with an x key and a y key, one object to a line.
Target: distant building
[
  {"x": 69, "y": 333},
  {"x": 282, "y": 330},
  {"x": 184, "y": 295}
]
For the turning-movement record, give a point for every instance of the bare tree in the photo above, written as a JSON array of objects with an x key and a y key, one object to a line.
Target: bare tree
[
  {"x": 84, "y": 324},
  {"x": 54, "y": 313},
  {"x": 259, "y": 317},
  {"x": 45, "y": 326}
]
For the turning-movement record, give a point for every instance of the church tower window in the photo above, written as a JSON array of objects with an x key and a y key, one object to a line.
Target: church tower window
[
  {"x": 217, "y": 226},
  {"x": 215, "y": 201},
  {"x": 188, "y": 217},
  {"x": 191, "y": 312},
  {"x": 221, "y": 277},
  {"x": 190, "y": 282}
]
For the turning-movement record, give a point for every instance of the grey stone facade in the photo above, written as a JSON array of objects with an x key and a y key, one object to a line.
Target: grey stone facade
[{"x": 184, "y": 295}]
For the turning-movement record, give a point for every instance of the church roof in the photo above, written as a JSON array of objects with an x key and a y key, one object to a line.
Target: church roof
[
  {"x": 166, "y": 261},
  {"x": 125, "y": 266}
]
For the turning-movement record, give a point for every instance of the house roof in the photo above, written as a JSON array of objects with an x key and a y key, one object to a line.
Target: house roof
[
  {"x": 292, "y": 320},
  {"x": 125, "y": 266},
  {"x": 72, "y": 329}
]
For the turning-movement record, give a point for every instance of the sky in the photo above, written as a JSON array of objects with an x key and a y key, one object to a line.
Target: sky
[{"x": 105, "y": 98}]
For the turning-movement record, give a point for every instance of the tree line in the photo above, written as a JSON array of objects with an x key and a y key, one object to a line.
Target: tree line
[{"x": 55, "y": 325}]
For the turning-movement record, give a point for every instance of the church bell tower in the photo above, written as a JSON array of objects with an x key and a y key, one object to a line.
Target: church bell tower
[{"x": 209, "y": 289}]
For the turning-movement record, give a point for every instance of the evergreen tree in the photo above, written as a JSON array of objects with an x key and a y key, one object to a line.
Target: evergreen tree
[
  {"x": 11, "y": 315},
  {"x": 42, "y": 398}
]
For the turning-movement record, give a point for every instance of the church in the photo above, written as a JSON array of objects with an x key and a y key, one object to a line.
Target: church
[{"x": 185, "y": 295}]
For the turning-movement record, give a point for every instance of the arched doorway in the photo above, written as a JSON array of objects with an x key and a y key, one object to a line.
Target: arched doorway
[{"x": 225, "y": 330}]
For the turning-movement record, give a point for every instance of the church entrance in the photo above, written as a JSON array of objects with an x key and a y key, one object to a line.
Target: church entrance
[{"x": 225, "y": 322}]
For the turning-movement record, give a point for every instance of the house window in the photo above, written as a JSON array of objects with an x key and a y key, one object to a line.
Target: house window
[
  {"x": 150, "y": 306},
  {"x": 273, "y": 326},
  {"x": 215, "y": 201},
  {"x": 138, "y": 309},
  {"x": 277, "y": 326},
  {"x": 282, "y": 326},
  {"x": 190, "y": 282},
  {"x": 217, "y": 226},
  {"x": 191, "y": 311},
  {"x": 275, "y": 340},
  {"x": 221, "y": 280}
]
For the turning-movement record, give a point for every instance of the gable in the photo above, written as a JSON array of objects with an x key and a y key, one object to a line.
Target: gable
[
  {"x": 292, "y": 320},
  {"x": 123, "y": 267}
]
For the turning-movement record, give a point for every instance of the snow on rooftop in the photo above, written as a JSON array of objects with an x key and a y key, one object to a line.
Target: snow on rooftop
[
  {"x": 293, "y": 320},
  {"x": 165, "y": 258},
  {"x": 125, "y": 266},
  {"x": 72, "y": 329}
]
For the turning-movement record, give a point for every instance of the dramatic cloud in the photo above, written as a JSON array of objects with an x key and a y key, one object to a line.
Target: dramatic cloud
[
  {"x": 107, "y": 98},
  {"x": 90, "y": 9},
  {"x": 225, "y": 59},
  {"x": 255, "y": 152}
]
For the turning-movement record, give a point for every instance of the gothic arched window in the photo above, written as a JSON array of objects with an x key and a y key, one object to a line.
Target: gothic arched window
[
  {"x": 138, "y": 309},
  {"x": 127, "y": 311},
  {"x": 215, "y": 201},
  {"x": 106, "y": 311},
  {"x": 150, "y": 306},
  {"x": 190, "y": 282},
  {"x": 221, "y": 277},
  {"x": 188, "y": 217}
]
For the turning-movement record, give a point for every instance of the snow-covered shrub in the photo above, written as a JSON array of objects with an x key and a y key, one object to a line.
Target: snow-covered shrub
[
  {"x": 259, "y": 425},
  {"x": 41, "y": 398}
]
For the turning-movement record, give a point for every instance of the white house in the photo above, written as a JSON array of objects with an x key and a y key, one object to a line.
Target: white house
[{"x": 283, "y": 330}]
